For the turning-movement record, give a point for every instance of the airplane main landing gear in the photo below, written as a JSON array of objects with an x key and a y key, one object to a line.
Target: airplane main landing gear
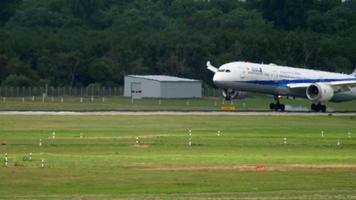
[
  {"x": 277, "y": 106},
  {"x": 318, "y": 107}
]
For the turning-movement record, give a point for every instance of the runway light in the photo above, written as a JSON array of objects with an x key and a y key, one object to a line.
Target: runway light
[
  {"x": 285, "y": 140},
  {"x": 322, "y": 133},
  {"x": 190, "y": 138},
  {"x": 6, "y": 160}
]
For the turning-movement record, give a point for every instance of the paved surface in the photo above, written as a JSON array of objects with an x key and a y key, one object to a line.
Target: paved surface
[{"x": 173, "y": 113}]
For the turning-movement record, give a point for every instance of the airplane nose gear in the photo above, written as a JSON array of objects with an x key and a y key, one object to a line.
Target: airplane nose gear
[
  {"x": 277, "y": 106},
  {"x": 318, "y": 107},
  {"x": 229, "y": 94}
]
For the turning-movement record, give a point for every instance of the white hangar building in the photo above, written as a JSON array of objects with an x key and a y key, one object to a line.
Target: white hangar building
[{"x": 157, "y": 86}]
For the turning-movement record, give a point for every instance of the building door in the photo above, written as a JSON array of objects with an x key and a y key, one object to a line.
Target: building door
[{"x": 136, "y": 91}]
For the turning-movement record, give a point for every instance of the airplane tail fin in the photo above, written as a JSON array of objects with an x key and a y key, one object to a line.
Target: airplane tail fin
[
  {"x": 211, "y": 67},
  {"x": 354, "y": 73}
]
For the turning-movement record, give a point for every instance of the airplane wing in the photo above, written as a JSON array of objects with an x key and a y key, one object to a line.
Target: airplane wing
[
  {"x": 338, "y": 86},
  {"x": 211, "y": 68}
]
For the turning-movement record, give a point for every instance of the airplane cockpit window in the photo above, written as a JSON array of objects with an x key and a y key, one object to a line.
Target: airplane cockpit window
[
  {"x": 221, "y": 70},
  {"x": 228, "y": 71}
]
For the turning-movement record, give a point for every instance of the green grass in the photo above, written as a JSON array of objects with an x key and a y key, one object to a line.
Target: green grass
[
  {"x": 106, "y": 163},
  {"x": 120, "y": 103}
]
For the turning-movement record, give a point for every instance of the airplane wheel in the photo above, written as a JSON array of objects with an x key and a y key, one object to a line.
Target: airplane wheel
[
  {"x": 313, "y": 107},
  {"x": 277, "y": 107},
  {"x": 272, "y": 106},
  {"x": 318, "y": 108},
  {"x": 282, "y": 107}
]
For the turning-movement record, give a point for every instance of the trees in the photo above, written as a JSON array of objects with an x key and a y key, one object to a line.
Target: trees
[
  {"x": 82, "y": 42},
  {"x": 8, "y": 8}
]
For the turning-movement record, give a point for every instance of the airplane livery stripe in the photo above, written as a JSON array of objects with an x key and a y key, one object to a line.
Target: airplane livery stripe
[{"x": 286, "y": 82}]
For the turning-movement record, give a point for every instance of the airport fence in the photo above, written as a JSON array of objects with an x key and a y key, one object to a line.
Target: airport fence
[{"x": 79, "y": 92}]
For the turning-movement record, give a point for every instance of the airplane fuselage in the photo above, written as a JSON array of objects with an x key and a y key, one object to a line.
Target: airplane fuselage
[{"x": 274, "y": 79}]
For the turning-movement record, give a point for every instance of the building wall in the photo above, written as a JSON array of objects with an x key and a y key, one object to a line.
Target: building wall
[
  {"x": 181, "y": 89},
  {"x": 157, "y": 89},
  {"x": 150, "y": 88}
]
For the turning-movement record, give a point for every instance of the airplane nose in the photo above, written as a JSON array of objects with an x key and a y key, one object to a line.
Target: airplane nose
[{"x": 217, "y": 79}]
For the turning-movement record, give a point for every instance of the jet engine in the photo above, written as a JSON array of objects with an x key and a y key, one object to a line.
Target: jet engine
[
  {"x": 319, "y": 92},
  {"x": 230, "y": 94}
]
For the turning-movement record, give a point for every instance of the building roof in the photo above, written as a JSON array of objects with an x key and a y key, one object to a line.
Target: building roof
[{"x": 163, "y": 78}]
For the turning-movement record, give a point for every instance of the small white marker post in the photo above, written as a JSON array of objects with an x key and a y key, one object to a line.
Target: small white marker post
[
  {"x": 6, "y": 160},
  {"x": 219, "y": 133},
  {"x": 322, "y": 133},
  {"x": 92, "y": 98},
  {"x": 338, "y": 142},
  {"x": 30, "y": 157},
  {"x": 53, "y": 135},
  {"x": 188, "y": 103},
  {"x": 4, "y": 99},
  {"x": 42, "y": 163},
  {"x": 190, "y": 138},
  {"x": 349, "y": 134},
  {"x": 160, "y": 102},
  {"x": 103, "y": 99},
  {"x": 23, "y": 100},
  {"x": 81, "y": 136},
  {"x": 285, "y": 140},
  {"x": 137, "y": 140},
  {"x": 43, "y": 97},
  {"x": 33, "y": 98},
  {"x": 62, "y": 99},
  {"x": 40, "y": 144},
  {"x": 81, "y": 99}
]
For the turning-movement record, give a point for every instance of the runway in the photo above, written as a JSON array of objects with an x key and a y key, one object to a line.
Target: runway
[{"x": 172, "y": 113}]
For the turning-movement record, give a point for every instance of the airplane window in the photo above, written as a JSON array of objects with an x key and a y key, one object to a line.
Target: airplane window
[
  {"x": 228, "y": 71},
  {"x": 221, "y": 70}
]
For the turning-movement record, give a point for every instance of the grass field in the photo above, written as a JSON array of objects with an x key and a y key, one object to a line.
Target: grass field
[
  {"x": 259, "y": 103},
  {"x": 248, "y": 161}
]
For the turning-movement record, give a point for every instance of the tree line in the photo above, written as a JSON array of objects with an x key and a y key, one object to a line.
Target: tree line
[{"x": 77, "y": 43}]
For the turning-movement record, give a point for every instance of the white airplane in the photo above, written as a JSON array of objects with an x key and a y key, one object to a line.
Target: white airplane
[{"x": 317, "y": 86}]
